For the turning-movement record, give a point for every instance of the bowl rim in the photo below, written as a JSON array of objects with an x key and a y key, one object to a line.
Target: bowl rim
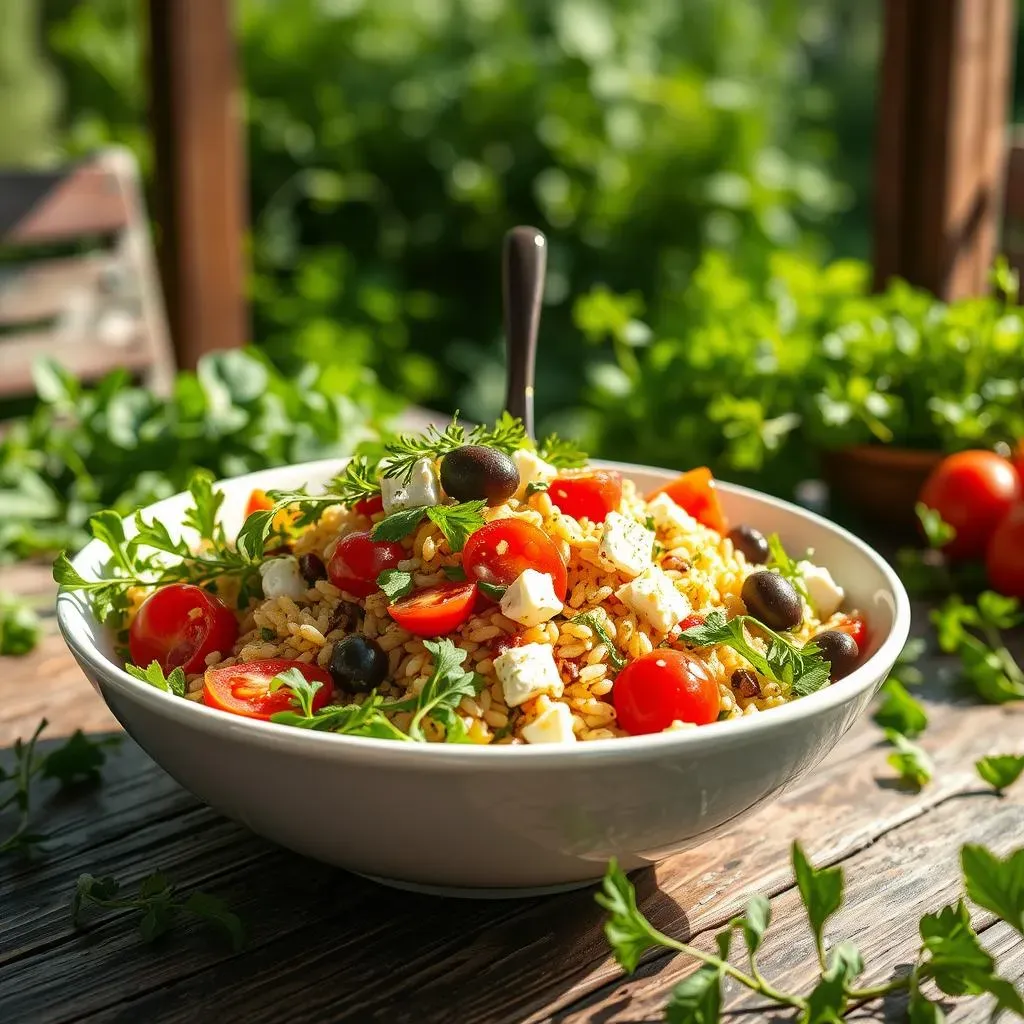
[{"x": 390, "y": 753}]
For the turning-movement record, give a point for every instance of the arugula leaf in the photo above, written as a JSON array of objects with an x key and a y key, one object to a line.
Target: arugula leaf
[
  {"x": 780, "y": 561},
  {"x": 1000, "y": 770},
  {"x": 899, "y": 711},
  {"x": 563, "y": 454},
  {"x": 937, "y": 532},
  {"x": 19, "y": 626},
  {"x": 615, "y": 658},
  {"x": 994, "y": 883},
  {"x": 909, "y": 760},
  {"x": 444, "y": 690},
  {"x": 458, "y": 522},
  {"x": 303, "y": 690},
  {"x": 800, "y": 670},
  {"x": 395, "y": 583},
  {"x": 154, "y": 675},
  {"x": 821, "y": 890}
]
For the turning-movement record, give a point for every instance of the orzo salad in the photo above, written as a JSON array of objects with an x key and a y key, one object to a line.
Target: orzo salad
[{"x": 474, "y": 587}]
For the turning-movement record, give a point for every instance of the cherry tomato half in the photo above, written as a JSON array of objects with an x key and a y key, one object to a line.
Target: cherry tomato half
[
  {"x": 244, "y": 689},
  {"x": 370, "y": 506},
  {"x": 436, "y": 610},
  {"x": 179, "y": 625},
  {"x": 858, "y": 629},
  {"x": 1004, "y": 562},
  {"x": 357, "y": 561},
  {"x": 972, "y": 491},
  {"x": 697, "y": 493},
  {"x": 663, "y": 687},
  {"x": 589, "y": 495},
  {"x": 500, "y": 550}
]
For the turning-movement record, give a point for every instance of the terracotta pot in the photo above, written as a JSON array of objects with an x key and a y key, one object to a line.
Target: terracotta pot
[{"x": 880, "y": 482}]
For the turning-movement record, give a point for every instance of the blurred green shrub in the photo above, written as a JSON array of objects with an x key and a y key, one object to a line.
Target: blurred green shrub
[
  {"x": 757, "y": 378},
  {"x": 392, "y": 143}
]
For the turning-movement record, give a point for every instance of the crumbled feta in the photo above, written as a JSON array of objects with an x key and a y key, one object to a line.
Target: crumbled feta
[
  {"x": 423, "y": 488},
  {"x": 653, "y": 596},
  {"x": 532, "y": 469},
  {"x": 554, "y": 725},
  {"x": 526, "y": 672},
  {"x": 531, "y": 600},
  {"x": 281, "y": 578},
  {"x": 826, "y": 595},
  {"x": 626, "y": 545},
  {"x": 669, "y": 516}
]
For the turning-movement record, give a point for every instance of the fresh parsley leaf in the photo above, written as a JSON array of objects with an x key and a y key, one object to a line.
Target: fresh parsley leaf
[
  {"x": 444, "y": 690},
  {"x": 19, "y": 626},
  {"x": 615, "y": 657},
  {"x": 492, "y": 590},
  {"x": 821, "y": 890},
  {"x": 697, "y": 999},
  {"x": 754, "y": 922},
  {"x": 899, "y": 711},
  {"x": 78, "y": 760},
  {"x": 563, "y": 454},
  {"x": 458, "y": 522},
  {"x": 201, "y": 515},
  {"x": 800, "y": 670},
  {"x": 780, "y": 561},
  {"x": 267, "y": 634},
  {"x": 397, "y": 525},
  {"x": 302, "y": 689},
  {"x": 456, "y": 573},
  {"x": 366, "y": 719},
  {"x": 629, "y": 933},
  {"x": 937, "y": 532},
  {"x": 536, "y": 487},
  {"x": 1000, "y": 770},
  {"x": 395, "y": 583},
  {"x": 828, "y": 999},
  {"x": 508, "y": 434},
  {"x": 995, "y": 883},
  {"x": 910, "y": 761},
  {"x": 154, "y": 675}
]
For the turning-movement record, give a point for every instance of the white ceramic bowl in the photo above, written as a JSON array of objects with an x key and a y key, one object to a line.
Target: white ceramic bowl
[{"x": 504, "y": 820}]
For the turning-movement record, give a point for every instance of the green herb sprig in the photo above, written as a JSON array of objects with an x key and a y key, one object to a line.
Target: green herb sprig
[
  {"x": 615, "y": 657},
  {"x": 780, "y": 561},
  {"x": 154, "y": 675},
  {"x": 950, "y": 953},
  {"x": 158, "y": 904},
  {"x": 800, "y": 670},
  {"x": 456, "y": 522}
]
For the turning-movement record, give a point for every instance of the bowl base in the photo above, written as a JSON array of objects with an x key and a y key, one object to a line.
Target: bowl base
[{"x": 471, "y": 893}]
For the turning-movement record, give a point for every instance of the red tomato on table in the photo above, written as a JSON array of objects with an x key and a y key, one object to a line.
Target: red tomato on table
[
  {"x": 436, "y": 610},
  {"x": 1004, "y": 561},
  {"x": 697, "y": 493},
  {"x": 590, "y": 495},
  {"x": 972, "y": 491},
  {"x": 663, "y": 687},
  {"x": 178, "y": 626},
  {"x": 245, "y": 689},
  {"x": 500, "y": 550},
  {"x": 357, "y": 561}
]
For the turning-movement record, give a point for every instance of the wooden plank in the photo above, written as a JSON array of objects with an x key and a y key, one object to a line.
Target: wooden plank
[
  {"x": 200, "y": 171},
  {"x": 1014, "y": 199},
  {"x": 43, "y": 290}
]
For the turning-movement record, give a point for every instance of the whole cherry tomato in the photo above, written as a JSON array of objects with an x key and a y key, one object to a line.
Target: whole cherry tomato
[
  {"x": 1004, "y": 561},
  {"x": 500, "y": 550},
  {"x": 663, "y": 687},
  {"x": 178, "y": 626},
  {"x": 357, "y": 561},
  {"x": 588, "y": 495},
  {"x": 972, "y": 491},
  {"x": 696, "y": 492},
  {"x": 436, "y": 610},
  {"x": 244, "y": 689}
]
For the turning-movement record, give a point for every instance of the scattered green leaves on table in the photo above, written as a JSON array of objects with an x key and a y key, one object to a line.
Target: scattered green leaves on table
[
  {"x": 800, "y": 670},
  {"x": 158, "y": 904},
  {"x": 950, "y": 953},
  {"x": 900, "y": 712},
  {"x": 154, "y": 675},
  {"x": 936, "y": 530},
  {"x": 911, "y": 762},
  {"x": 1000, "y": 771},
  {"x": 19, "y": 625},
  {"x": 78, "y": 760}
]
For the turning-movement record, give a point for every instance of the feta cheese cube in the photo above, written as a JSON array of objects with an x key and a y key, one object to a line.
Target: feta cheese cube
[
  {"x": 532, "y": 469},
  {"x": 551, "y": 726},
  {"x": 531, "y": 600},
  {"x": 281, "y": 578},
  {"x": 669, "y": 516},
  {"x": 653, "y": 597},
  {"x": 626, "y": 545},
  {"x": 826, "y": 595},
  {"x": 526, "y": 672},
  {"x": 423, "y": 488}
]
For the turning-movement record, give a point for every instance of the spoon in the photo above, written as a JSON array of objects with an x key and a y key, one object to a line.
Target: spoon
[{"x": 523, "y": 262}]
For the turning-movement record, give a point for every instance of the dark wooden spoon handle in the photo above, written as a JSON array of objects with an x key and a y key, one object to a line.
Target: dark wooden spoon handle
[{"x": 524, "y": 261}]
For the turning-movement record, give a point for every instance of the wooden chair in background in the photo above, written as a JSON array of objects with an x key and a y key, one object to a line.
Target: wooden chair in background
[{"x": 78, "y": 279}]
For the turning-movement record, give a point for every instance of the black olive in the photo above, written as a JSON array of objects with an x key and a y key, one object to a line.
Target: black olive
[
  {"x": 358, "y": 664},
  {"x": 773, "y": 600},
  {"x": 312, "y": 568},
  {"x": 750, "y": 543},
  {"x": 840, "y": 650},
  {"x": 475, "y": 471},
  {"x": 745, "y": 683}
]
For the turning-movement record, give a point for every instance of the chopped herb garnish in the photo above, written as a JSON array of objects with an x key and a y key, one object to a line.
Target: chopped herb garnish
[
  {"x": 492, "y": 590},
  {"x": 395, "y": 583},
  {"x": 267, "y": 634},
  {"x": 456, "y": 522},
  {"x": 615, "y": 658},
  {"x": 780, "y": 561},
  {"x": 303, "y": 691},
  {"x": 454, "y": 572},
  {"x": 563, "y": 454},
  {"x": 154, "y": 675},
  {"x": 536, "y": 487}
]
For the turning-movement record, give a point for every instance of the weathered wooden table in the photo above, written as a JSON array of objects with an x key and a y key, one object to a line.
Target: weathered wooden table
[{"x": 325, "y": 945}]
